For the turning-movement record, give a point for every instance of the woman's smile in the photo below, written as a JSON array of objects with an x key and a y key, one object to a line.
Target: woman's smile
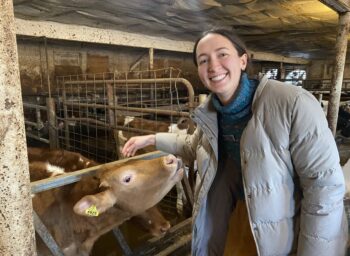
[{"x": 218, "y": 78}]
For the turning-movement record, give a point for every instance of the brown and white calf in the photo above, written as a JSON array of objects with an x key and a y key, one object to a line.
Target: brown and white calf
[
  {"x": 69, "y": 161},
  {"x": 149, "y": 126},
  {"x": 45, "y": 163},
  {"x": 84, "y": 211},
  {"x": 153, "y": 221}
]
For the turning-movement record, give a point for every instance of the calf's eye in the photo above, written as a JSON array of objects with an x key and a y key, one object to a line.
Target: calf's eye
[{"x": 127, "y": 179}]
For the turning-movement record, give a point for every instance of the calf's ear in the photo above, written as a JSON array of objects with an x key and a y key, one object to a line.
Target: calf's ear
[{"x": 94, "y": 205}]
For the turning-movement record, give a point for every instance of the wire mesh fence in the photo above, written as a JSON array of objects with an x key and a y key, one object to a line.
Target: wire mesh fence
[
  {"x": 93, "y": 109},
  {"x": 96, "y": 113}
]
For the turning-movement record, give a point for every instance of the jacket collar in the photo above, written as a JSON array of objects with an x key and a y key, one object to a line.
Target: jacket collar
[
  {"x": 259, "y": 89},
  {"x": 205, "y": 116},
  {"x": 208, "y": 114}
]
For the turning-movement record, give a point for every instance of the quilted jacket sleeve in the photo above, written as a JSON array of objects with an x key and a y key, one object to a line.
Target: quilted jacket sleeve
[
  {"x": 323, "y": 228},
  {"x": 181, "y": 145}
]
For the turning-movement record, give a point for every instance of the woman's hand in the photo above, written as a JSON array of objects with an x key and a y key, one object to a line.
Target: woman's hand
[{"x": 137, "y": 142}]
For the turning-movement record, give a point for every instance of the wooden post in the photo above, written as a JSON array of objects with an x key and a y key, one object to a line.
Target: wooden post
[
  {"x": 153, "y": 91},
  {"x": 338, "y": 71},
  {"x": 282, "y": 71},
  {"x": 324, "y": 73},
  {"x": 151, "y": 58},
  {"x": 16, "y": 219},
  {"x": 110, "y": 98},
  {"x": 65, "y": 113},
  {"x": 51, "y": 117}
]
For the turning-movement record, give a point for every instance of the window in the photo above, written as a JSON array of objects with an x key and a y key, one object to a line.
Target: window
[
  {"x": 296, "y": 77},
  {"x": 272, "y": 73}
]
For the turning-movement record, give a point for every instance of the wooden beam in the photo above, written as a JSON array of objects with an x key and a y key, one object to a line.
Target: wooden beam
[
  {"x": 265, "y": 56},
  {"x": 340, "y": 6},
  {"x": 79, "y": 33}
]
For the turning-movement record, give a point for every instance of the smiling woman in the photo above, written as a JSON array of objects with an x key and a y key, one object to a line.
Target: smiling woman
[
  {"x": 220, "y": 65},
  {"x": 260, "y": 147}
]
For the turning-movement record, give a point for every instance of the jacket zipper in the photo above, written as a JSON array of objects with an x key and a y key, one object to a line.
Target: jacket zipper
[{"x": 248, "y": 211}]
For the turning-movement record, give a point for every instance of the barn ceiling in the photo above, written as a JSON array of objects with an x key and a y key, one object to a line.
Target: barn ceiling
[{"x": 293, "y": 28}]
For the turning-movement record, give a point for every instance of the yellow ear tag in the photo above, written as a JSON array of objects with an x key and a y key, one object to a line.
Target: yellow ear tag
[{"x": 92, "y": 211}]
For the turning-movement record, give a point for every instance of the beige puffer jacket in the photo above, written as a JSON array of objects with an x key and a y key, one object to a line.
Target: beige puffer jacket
[{"x": 292, "y": 178}]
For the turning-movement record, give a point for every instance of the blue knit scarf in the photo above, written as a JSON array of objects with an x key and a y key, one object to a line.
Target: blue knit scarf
[
  {"x": 240, "y": 106},
  {"x": 232, "y": 119}
]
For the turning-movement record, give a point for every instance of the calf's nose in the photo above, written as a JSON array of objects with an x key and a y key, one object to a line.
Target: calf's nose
[
  {"x": 165, "y": 227},
  {"x": 170, "y": 159}
]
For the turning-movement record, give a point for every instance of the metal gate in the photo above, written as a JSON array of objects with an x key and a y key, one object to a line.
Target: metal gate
[{"x": 87, "y": 113}]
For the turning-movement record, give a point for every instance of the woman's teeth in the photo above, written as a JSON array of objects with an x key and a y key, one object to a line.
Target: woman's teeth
[{"x": 218, "y": 78}]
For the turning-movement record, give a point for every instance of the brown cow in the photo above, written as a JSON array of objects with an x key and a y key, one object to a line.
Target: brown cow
[
  {"x": 70, "y": 161},
  {"x": 42, "y": 170},
  {"x": 152, "y": 220},
  {"x": 57, "y": 161},
  {"x": 39, "y": 170},
  {"x": 84, "y": 211},
  {"x": 149, "y": 126}
]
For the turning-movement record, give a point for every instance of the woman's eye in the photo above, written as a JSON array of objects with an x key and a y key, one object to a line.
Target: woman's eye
[
  {"x": 202, "y": 61},
  {"x": 223, "y": 54}
]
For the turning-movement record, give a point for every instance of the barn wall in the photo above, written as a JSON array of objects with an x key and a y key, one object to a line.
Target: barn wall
[
  {"x": 323, "y": 69},
  {"x": 70, "y": 58},
  {"x": 319, "y": 69},
  {"x": 254, "y": 67}
]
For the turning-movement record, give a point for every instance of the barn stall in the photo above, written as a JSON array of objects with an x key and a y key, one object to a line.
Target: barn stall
[
  {"x": 89, "y": 112},
  {"x": 73, "y": 101}
]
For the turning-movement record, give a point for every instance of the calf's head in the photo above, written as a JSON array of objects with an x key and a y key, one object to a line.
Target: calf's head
[
  {"x": 133, "y": 187},
  {"x": 153, "y": 221}
]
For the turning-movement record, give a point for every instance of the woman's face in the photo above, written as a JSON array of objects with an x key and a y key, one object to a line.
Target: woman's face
[{"x": 219, "y": 66}]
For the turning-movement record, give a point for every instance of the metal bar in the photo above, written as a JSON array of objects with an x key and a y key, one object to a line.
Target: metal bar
[
  {"x": 155, "y": 80},
  {"x": 37, "y": 138},
  {"x": 104, "y": 125},
  {"x": 45, "y": 235},
  {"x": 122, "y": 82},
  {"x": 178, "y": 244},
  {"x": 101, "y": 124},
  {"x": 187, "y": 189},
  {"x": 31, "y": 123},
  {"x": 69, "y": 178},
  {"x": 122, "y": 242},
  {"x": 142, "y": 110},
  {"x": 30, "y": 105},
  {"x": 148, "y": 101},
  {"x": 176, "y": 237},
  {"x": 87, "y": 121}
]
